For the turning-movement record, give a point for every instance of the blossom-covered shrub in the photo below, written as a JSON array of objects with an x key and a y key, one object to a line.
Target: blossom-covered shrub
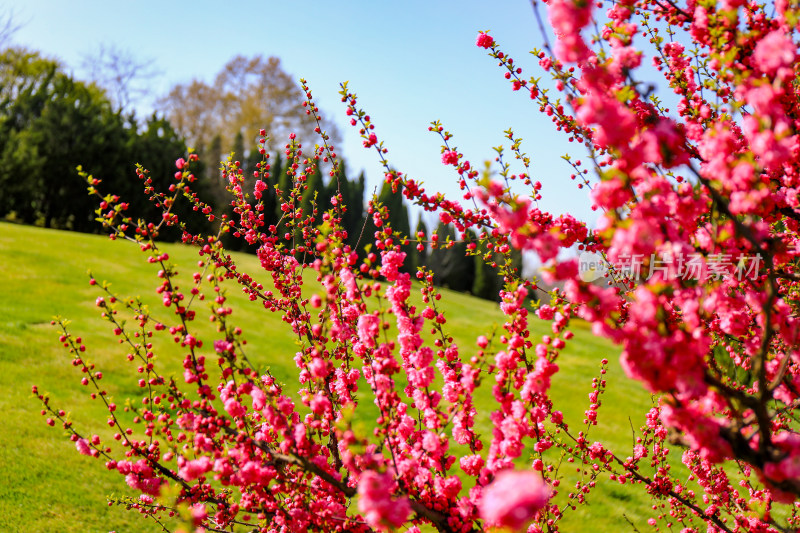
[{"x": 697, "y": 248}]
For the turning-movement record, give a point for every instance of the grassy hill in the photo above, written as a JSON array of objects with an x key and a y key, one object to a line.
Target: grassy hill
[{"x": 47, "y": 486}]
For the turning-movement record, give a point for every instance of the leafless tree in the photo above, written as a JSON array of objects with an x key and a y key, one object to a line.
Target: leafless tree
[
  {"x": 248, "y": 94},
  {"x": 8, "y": 27},
  {"x": 124, "y": 76}
]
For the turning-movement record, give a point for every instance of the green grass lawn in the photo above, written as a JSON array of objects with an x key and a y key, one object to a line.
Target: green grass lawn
[{"x": 47, "y": 486}]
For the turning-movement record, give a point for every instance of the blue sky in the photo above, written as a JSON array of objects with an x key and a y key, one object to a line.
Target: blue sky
[{"x": 410, "y": 62}]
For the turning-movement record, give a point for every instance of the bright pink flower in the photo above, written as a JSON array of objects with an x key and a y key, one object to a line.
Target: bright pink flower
[
  {"x": 381, "y": 511},
  {"x": 318, "y": 367},
  {"x": 483, "y": 342},
  {"x": 315, "y": 301},
  {"x": 545, "y": 312},
  {"x": 450, "y": 157},
  {"x": 513, "y": 499},
  {"x": 350, "y": 284},
  {"x": 234, "y": 408},
  {"x": 371, "y": 140},
  {"x": 471, "y": 464},
  {"x": 368, "y": 329},
  {"x": 390, "y": 264},
  {"x": 702, "y": 431},
  {"x": 616, "y": 124},
  {"x": 611, "y": 194},
  {"x": 484, "y": 40},
  {"x": 196, "y": 468},
  {"x": 774, "y": 51},
  {"x": 259, "y": 399},
  {"x": 83, "y": 446},
  {"x": 223, "y": 346},
  {"x": 568, "y": 18},
  {"x": 199, "y": 512}
]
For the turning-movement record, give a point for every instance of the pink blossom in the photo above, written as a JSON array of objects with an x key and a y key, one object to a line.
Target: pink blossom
[
  {"x": 368, "y": 329},
  {"x": 223, "y": 346},
  {"x": 616, "y": 124},
  {"x": 83, "y": 446},
  {"x": 196, "y": 468},
  {"x": 315, "y": 301},
  {"x": 482, "y": 341},
  {"x": 702, "y": 431},
  {"x": 625, "y": 57},
  {"x": 199, "y": 512},
  {"x": 450, "y": 157},
  {"x": 545, "y": 312},
  {"x": 391, "y": 262},
  {"x": 484, "y": 40},
  {"x": 774, "y": 51},
  {"x": 471, "y": 464},
  {"x": 568, "y": 18},
  {"x": 259, "y": 399},
  {"x": 350, "y": 283},
  {"x": 513, "y": 499},
  {"x": 381, "y": 511},
  {"x": 371, "y": 140},
  {"x": 320, "y": 404},
  {"x": 234, "y": 408},
  {"x": 318, "y": 367}
]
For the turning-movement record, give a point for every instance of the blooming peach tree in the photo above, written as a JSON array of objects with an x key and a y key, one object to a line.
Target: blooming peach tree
[{"x": 696, "y": 251}]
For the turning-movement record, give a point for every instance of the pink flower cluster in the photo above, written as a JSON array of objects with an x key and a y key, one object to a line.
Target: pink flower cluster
[
  {"x": 375, "y": 500},
  {"x": 513, "y": 499}
]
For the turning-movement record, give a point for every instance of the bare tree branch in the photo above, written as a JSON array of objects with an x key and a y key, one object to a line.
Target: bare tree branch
[
  {"x": 8, "y": 27},
  {"x": 121, "y": 73}
]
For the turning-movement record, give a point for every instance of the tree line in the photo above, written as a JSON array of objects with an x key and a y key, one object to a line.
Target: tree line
[{"x": 52, "y": 124}]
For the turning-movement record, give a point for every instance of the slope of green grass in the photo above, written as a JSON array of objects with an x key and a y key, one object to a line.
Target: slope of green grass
[{"x": 48, "y": 486}]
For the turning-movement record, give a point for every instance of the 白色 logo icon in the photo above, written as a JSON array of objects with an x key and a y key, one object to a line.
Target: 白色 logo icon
[{"x": 591, "y": 266}]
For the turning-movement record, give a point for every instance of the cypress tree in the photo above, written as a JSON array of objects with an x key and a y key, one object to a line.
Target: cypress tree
[
  {"x": 216, "y": 185},
  {"x": 355, "y": 217},
  {"x": 284, "y": 181},
  {"x": 315, "y": 189},
  {"x": 272, "y": 204},
  {"x": 214, "y": 157},
  {"x": 238, "y": 148},
  {"x": 447, "y": 262},
  {"x": 487, "y": 282},
  {"x": 398, "y": 212}
]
